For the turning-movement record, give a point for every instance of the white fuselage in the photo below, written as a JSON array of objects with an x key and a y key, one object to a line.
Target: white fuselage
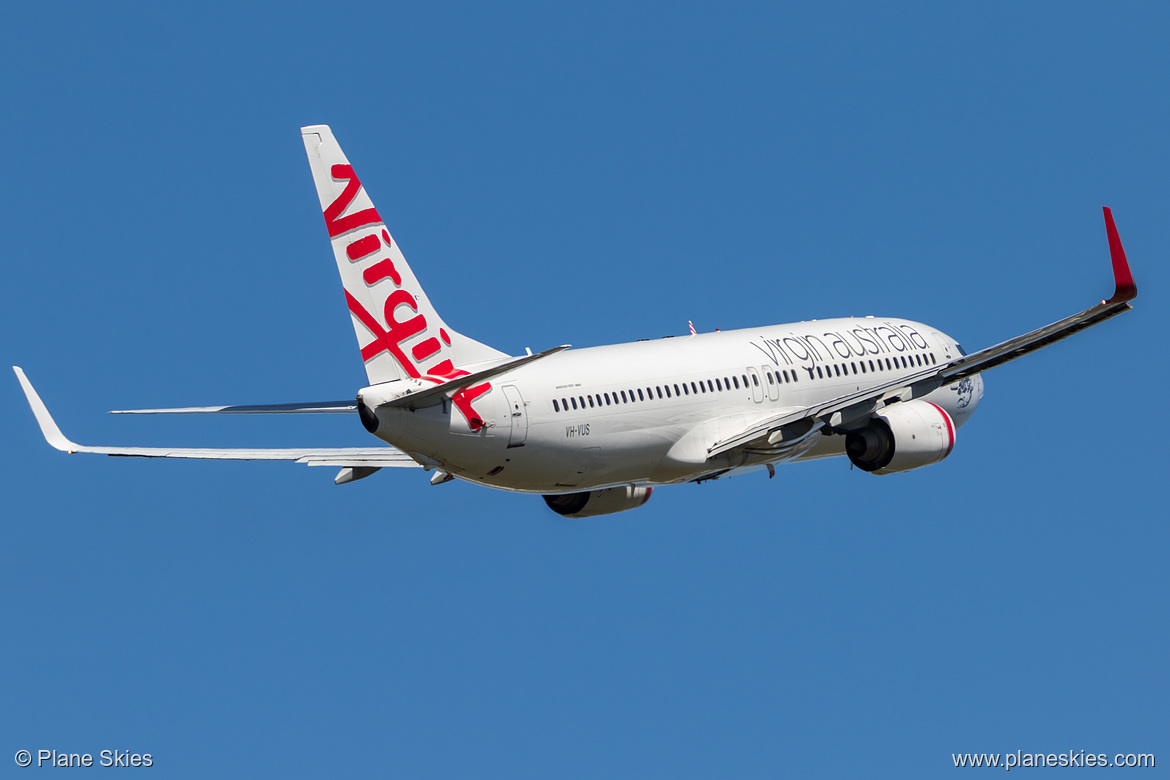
[{"x": 645, "y": 413}]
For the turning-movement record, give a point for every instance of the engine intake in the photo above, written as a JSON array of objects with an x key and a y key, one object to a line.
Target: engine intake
[
  {"x": 902, "y": 437},
  {"x": 598, "y": 502}
]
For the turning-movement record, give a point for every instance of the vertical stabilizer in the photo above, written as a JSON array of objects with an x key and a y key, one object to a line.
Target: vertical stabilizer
[{"x": 399, "y": 332}]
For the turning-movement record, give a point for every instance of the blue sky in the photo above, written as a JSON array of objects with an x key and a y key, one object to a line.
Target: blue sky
[{"x": 584, "y": 176}]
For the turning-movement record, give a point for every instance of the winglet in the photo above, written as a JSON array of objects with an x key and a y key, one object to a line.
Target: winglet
[
  {"x": 49, "y": 428},
  {"x": 1126, "y": 289}
]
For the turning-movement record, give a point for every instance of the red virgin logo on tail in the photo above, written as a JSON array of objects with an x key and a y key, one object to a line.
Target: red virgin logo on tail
[
  {"x": 388, "y": 331},
  {"x": 334, "y": 222}
]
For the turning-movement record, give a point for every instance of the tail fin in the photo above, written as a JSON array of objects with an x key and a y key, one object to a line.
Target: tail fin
[{"x": 399, "y": 332}]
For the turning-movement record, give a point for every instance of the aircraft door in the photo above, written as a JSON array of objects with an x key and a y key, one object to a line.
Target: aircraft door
[
  {"x": 772, "y": 383},
  {"x": 517, "y": 416},
  {"x": 757, "y": 389}
]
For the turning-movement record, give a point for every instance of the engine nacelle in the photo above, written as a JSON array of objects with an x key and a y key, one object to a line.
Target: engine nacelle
[
  {"x": 599, "y": 502},
  {"x": 902, "y": 437}
]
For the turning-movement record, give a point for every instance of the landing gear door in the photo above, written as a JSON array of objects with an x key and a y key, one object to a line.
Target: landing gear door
[{"x": 517, "y": 416}]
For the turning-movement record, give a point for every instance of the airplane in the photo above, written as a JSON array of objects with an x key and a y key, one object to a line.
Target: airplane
[{"x": 595, "y": 430}]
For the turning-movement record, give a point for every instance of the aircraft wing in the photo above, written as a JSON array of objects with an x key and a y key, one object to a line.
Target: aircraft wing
[
  {"x": 350, "y": 457},
  {"x": 770, "y": 432}
]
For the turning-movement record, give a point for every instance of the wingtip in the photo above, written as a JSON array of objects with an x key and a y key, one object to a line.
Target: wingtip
[
  {"x": 49, "y": 428},
  {"x": 1125, "y": 289}
]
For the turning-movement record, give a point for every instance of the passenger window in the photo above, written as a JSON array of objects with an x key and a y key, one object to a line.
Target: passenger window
[
  {"x": 854, "y": 367},
  {"x": 819, "y": 376},
  {"x": 736, "y": 380},
  {"x": 719, "y": 385},
  {"x": 694, "y": 389},
  {"x": 659, "y": 389},
  {"x": 606, "y": 398},
  {"x": 771, "y": 381},
  {"x": 640, "y": 398},
  {"x": 556, "y": 406},
  {"x": 755, "y": 380},
  {"x": 590, "y": 401},
  {"x": 932, "y": 360},
  {"x": 889, "y": 365},
  {"x": 574, "y": 400},
  {"x": 624, "y": 401},
  {"x": 863, "y": 366},
  {"x": 710, "y": 386},
  {"x": 837, "y": 369},
  {"x": 744, "y": 377},
  {"x": 871, "y": 368}
]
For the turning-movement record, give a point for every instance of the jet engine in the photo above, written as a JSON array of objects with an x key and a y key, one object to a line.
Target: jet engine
[
  {"x": 902, "y": 437},
  {"x": 599, "y": 502}
]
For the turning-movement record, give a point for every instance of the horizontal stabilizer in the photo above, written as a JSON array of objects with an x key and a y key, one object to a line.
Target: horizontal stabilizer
[
  {"x": 322, "y": 407},
  {"x": 354, "y": 457},
  {"x": 436, "y": 394}
]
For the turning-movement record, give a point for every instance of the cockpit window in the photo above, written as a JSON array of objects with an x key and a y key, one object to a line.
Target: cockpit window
[{"x": 962, "y": 351}]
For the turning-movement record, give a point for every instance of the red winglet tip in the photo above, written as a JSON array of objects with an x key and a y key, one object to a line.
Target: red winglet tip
[{"x": 1126, "y": 290}]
